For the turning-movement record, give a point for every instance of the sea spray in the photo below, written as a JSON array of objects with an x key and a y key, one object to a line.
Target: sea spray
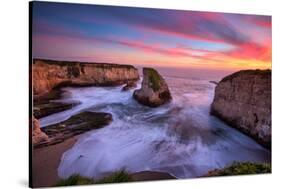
[{"x": 180, "y": 138}]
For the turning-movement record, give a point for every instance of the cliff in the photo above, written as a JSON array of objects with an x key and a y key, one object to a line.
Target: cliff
[
  {"x": 243, "y": 100},
  {"x": 49, "y": 74},
  {"x": 154, "y": 90},
  {"x": 38, "y": 136}
]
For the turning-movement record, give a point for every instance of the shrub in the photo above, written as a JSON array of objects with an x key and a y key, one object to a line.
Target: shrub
[
  {"x": 242, "y": 168},
  {"x": 120, "y": 176},
  {"x": 117, "y": 177},
  {"x": 154, "y": 78},
  {"x": 75, "y": 180}
]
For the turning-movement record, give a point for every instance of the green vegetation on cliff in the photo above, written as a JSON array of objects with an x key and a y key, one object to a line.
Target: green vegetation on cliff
[
  {"x": 120, "y": 176},
  {"x": 239, "y": 168},
  {"x": 117, "y": 177},
  {"x": 75, "y": 180},
  {"x": 244, "y": 72},
  {"x": 77, "y": 63},
  {"x": 154, "y": 78}
]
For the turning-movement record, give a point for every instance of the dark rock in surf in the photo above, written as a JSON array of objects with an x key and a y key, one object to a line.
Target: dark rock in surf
[
  {"x": 243, "y": 100},
  {"x": 46, "y": 104},
  {"x": 154, "y": 90},
  {"x": 43, "y": 110},
  {"x": 75, "y": 125}
]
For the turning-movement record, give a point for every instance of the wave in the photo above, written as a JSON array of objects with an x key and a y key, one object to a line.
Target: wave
[{"x": 180, "y": 138}]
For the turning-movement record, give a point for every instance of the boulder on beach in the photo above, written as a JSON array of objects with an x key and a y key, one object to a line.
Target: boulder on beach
[
  {"x": 243, "y": 100},
  {"x": 154, "y": 90},
  {"x": 37, "y": 135}
]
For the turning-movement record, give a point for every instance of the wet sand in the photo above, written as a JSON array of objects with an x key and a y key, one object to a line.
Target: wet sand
[{"x": 45, "y": 162}]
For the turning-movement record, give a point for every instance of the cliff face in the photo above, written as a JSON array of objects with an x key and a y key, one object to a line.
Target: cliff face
[
  {"x": 243, "y": 100},
  {"x": 37, "y": 135},
  {"x": 154, "y": 91},
  {"x": 49, "y": 74}
]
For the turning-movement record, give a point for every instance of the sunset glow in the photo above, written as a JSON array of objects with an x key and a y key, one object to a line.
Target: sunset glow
[{"x": 168, "y": 38}]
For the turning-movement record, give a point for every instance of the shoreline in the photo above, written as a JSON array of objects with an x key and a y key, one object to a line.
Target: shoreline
[
  {"x": 47, "y": 159},
  {"x": 45, "y": 162}
]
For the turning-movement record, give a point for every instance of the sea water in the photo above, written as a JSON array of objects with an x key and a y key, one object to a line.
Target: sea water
[{"x": 180, "y": 137}]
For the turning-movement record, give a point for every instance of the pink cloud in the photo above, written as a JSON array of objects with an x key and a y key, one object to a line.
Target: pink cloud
[{"x": 251, "y": 51}]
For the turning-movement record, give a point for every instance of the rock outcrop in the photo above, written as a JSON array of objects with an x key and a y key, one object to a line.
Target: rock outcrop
[
  {"x": 43, "y": 110},
  {"x": 46, "y": 104},
  {"x": 48, "y": 74},
  {"x": 75, "y": 125},
  {"x": 154, "y": 90},
  {"x": 37, "y": 135},
  {"x": 129, "y": 85},
  {"x": 243, "y": 100}
]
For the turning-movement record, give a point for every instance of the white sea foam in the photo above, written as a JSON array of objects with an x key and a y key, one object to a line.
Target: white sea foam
[{"x": 179, "y": 138}]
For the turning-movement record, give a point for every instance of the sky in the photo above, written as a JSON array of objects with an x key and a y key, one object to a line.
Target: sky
[{"x": 150, "y": 37}]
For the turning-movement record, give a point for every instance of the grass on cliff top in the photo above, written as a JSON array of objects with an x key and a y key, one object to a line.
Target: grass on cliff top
[
  {"x": 120, "y": 176},
  {"x": 117, "y": 177},
  {"x": 245, "y": 168},
  {"x": 71, "y": 63},
  {"x": 154, "y": 78},
  {"x": 75, "y": 180},
  {"x": 255, "y": 72}
]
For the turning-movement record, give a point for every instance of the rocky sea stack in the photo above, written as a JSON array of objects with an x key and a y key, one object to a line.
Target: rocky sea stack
[
  {"x": 154, "y": 90},
  {"x": 243, "y": 100}
]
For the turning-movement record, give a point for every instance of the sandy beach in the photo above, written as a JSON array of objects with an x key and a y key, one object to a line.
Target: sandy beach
[
  {"x": 47, "y": 159},
  {"x": 45, "y": 162}
]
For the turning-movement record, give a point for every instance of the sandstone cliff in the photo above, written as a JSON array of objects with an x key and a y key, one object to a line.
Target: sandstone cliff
[
  {"x": 38, "y": 136},
  {"x": 243, "y": 100},
  {"x": 154, "y": 90},
  {"x": 48, "y": 74}
]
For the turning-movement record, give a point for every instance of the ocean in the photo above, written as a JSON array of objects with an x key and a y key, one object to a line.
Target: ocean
[{"x": 180, "y": 137}]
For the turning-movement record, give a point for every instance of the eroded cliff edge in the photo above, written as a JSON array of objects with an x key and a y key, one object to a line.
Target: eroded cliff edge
[
  {"x": 49, "y": 74},
  {"x": 243, "y": 100}
]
